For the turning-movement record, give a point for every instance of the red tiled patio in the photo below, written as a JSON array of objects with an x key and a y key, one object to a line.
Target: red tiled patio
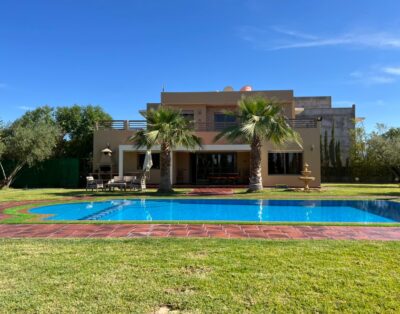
[{"x": 206, "y": 230}]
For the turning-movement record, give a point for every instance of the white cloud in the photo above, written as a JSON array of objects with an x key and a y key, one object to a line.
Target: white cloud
[
  {"x": 375, "y": 75},
  {"x": 267, "y": 39},
  {"x": 25, "y": 108},
  {"x": 392, "y": 70},
  {"x": 293, "y": 33},
  {"x": 371, "y": 77}
]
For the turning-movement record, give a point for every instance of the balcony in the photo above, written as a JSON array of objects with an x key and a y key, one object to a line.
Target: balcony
[{"x": 135, "y": 125}]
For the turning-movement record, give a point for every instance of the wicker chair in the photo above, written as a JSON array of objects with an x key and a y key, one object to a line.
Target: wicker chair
[{"x": 92, "y": 184}]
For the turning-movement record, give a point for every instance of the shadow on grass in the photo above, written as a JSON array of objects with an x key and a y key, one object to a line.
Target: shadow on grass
[{"x": 113, "y": 194}]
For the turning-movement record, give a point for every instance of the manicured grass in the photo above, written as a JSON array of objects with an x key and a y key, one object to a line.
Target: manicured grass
[
  {"x": 328, "y": 191},
  {"x": 198, "y": 276}
]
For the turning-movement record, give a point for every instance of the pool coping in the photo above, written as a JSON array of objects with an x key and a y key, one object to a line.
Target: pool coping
[
  {"x": 11, "y": 209},
  {"x": 234, "y": 231}
]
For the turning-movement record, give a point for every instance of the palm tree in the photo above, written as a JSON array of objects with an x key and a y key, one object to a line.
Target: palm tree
[
  {"x": 258, "y": 120},
  {"x": 168, "y": 128}
]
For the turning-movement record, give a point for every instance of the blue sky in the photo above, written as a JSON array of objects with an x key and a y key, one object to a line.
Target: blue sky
[{"x": 119, "y": 54}]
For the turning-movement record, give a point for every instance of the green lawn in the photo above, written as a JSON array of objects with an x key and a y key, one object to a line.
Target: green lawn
[
  {"x": 198, "y": 276},
  {"x": 328, "y": 191}
]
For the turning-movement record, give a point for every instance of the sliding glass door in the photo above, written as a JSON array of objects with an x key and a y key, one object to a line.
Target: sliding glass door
[{"x": 213, "y": 164}]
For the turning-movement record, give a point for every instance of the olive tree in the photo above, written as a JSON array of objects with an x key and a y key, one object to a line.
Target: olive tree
[
  {"x": 384, "y": 148},
  {"x": 27, "y": 141}
]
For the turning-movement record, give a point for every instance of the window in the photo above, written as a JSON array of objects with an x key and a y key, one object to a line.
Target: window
[
  {"x": 222, "y": 118},
  {"x": 154, "y": 157},
  {"x": 285, "y": 163},
  {"x": 188, "y": 115},
  {"x": 221, "y": 121}
]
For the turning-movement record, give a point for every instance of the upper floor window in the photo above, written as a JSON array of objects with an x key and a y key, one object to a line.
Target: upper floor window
[
  {"x": 221, "y": 117},
  {"x": 285, "y": 163},
  {"x": 188, "y": 115}
]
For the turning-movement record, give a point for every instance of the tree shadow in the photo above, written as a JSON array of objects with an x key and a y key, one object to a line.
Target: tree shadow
[{"x": 112, "y": 194}]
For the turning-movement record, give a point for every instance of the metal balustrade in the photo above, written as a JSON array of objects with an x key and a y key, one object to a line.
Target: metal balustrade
[{"x": 135, "y": 125}]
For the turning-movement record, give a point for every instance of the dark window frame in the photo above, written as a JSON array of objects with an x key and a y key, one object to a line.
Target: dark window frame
[{"x": 288, "y": 163}]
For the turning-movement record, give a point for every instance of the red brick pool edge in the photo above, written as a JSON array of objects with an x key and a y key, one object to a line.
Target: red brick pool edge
[{"x": 198, "y": 231}]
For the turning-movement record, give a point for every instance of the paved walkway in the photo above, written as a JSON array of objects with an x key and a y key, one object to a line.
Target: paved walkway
[{"x": 195, "y": 231}]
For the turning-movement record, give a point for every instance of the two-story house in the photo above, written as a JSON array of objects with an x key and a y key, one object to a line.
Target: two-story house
[{"x": 215, "y": 163}]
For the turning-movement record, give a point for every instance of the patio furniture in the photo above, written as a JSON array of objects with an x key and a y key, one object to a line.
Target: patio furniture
[
  {"x": 132, "y": 183},
  {"x": 117, "y": 182},
  {"x": 92, "y": 184}
]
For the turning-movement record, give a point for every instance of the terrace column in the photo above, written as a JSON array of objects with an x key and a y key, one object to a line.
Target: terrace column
[{"x": 121, "y": 161}]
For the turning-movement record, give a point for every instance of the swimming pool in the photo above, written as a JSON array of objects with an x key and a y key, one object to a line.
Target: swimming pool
[{"x": 377, "y": 211}]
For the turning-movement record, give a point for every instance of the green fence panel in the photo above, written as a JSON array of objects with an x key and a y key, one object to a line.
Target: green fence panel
[{"x": 52, "y": 173}]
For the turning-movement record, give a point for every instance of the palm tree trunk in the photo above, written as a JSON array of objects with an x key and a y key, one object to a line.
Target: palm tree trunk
[
  {"x": 165, "y": 169},
  {"x": 255, "y": 183}
]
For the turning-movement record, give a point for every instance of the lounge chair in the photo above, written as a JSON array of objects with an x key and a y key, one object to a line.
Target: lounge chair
[
  {"x": 92, "y": 184},
  {"x": 131, "y": 182}
]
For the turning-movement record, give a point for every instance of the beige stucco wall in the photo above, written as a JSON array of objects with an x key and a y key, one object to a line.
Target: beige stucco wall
[
  {"x": 113, "y": 138},
  {"x": 205, "y": 101},
  {"x": 311, "y": 155},
  {"x": 181, "y": 167}
]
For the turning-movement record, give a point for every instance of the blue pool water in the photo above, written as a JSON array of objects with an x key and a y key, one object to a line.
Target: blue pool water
[{"x": 226, "y": 210}]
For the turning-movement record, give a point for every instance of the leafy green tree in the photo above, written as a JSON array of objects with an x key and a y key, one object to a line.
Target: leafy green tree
[
  {"x": 2, "y": 147},
  {"x": 383, "y": 148},
  {"x": 168, "y": 128},
  {"x": 28, "y": 140},
  {"x": 338, "y": 157},
  {"x": 326, "y": 150},
  {"x": 392, "y": 133},
  {"x": 358, "y": 147},
  {"x": 77, "y": 124},
  {"x": 258, "y": 120}
]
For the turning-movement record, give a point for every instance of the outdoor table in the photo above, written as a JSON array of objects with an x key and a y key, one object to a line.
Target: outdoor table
[{"x": 113, "y": 185}]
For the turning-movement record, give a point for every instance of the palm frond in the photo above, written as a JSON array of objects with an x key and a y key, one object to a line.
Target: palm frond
[
  {"x": 262, "y": 118},
  {"x": 168, "y": 126}
]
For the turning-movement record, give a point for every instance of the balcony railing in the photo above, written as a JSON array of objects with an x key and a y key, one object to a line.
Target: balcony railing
[
  {"x": 135, "y": 125},
  {"x": 121, "y": 125}
]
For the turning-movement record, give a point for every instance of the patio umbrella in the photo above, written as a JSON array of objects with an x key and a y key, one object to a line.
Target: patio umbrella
[
  {"x": 148, "y": 161},
  {"x": 147, "y": 164}
]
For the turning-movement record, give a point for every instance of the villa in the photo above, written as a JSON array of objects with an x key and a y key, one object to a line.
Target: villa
[{"x": 215, "y": 163}]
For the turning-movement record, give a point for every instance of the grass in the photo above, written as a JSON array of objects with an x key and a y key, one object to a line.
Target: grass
[
  {"x": 332, "y": 191},
  {"x": 198, "y": 276}
]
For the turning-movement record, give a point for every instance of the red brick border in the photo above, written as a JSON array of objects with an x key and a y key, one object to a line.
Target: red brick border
[{"x": 196, "y": 231}]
